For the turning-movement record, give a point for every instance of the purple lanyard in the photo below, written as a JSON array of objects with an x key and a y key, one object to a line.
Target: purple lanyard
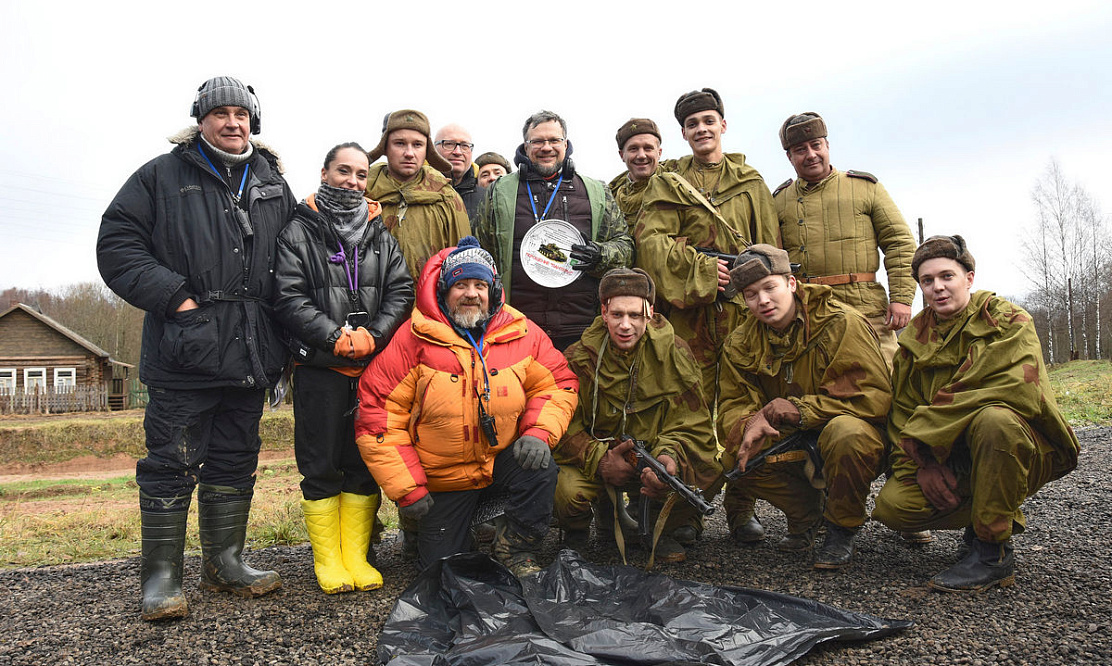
[{"x": 351, "y": 272}]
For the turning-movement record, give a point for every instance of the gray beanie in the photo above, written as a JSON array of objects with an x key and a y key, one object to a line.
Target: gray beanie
[{"x": 225, "y": 91}]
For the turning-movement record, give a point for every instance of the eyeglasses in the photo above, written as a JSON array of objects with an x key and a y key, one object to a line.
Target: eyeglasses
[
  {"x": 451, "y": 145},
  {"x": 540, "y": 143}
]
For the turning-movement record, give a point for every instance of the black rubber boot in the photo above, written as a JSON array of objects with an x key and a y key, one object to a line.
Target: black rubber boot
[
  {"x": 222, "y": 513},
  {"x": 798, "y": 542},
  {"x": 749, "y": 532},
  {"x": 837, "y": 548},
  {"x": 161, "y": 565},
  {"x": 986, "y": 566}
]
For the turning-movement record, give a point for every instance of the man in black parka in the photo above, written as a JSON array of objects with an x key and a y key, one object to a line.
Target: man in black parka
[{"x": 190, "y": 239}]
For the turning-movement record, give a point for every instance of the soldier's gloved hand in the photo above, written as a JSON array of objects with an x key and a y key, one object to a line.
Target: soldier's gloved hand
[
  {"x": 586, "y": 256},
  {"x": 614, "y": 468},
  {"x": 531, "y": 453},
  {"x": 757, "y": 431},
  {"x": 781, "y": 412},
  {"x": 417, "y": 510},
  {"x": 651, "y": 485},
  {"x": 938, "y": 484}
]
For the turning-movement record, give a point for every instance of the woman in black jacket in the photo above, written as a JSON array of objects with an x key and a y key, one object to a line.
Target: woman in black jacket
[{"x": 342, "y": 289}]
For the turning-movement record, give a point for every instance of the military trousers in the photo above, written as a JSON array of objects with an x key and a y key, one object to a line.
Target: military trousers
[
  {"x": 853, "y": 454},
  {"x": 999, "y": 462},
  {"x": 576, "y": 495},
  {"x": 886, "y": 338}
]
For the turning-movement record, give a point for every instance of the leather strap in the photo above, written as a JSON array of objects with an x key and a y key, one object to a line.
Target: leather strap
[{"x": 845, "y": 278}]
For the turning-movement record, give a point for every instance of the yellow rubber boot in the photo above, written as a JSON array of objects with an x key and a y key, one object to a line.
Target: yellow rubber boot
[
  {"x": 322, "y": 519},
  {"x": 357, "y": 517}
]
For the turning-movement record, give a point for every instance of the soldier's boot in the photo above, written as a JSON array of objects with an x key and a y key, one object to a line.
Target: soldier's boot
[
  {"x": 514, "y": 550},
  {"x": 668, "y": 550},
  {"x": 686, "y": 535},
  {"x": 837, "y": 547},
  {"x": 749, "y": 532},
  {"x": 322, "y": 521},
  {"x": 161, "y": 564},
  {"x": 986, "y": 566},
  {"x": 576, "y": 539},
  {"x": 917, "y": 537},
  {"x": 798, "y": 542},
  {"x": 357, "y": 517},
  {"x": 222, "y": 514}
]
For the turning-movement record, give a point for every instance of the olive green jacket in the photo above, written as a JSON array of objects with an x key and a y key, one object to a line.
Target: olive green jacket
[
  {"x": 425, "y": 215},
  {"x": 628, "y": 195},
  {"x": 657, "y": 388},
  {"x": 835, "y": 227},
  {"x": 827, "y": 363},
  {"x": 947, "y": 371}
]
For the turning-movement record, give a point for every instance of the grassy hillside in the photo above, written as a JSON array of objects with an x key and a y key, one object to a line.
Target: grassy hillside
[{"x": 1084, "y": 391}]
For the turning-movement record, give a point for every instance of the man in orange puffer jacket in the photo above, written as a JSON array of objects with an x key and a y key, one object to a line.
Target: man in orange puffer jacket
[{"x": 467, "y": 401}]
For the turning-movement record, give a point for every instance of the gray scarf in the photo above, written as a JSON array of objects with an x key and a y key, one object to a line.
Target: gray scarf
[
  {"x": 228, "y": 159},
  {"x": 345, "y": 209}
]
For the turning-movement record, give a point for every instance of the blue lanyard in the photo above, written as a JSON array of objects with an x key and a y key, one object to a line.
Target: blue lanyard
[
  {"x": 242, "y": 181},
  {"x": 479, "y": 348},
  {"x": 550, "y": 199}
]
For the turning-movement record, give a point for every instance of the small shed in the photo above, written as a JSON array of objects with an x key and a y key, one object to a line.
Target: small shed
[{"x": 46, "y": 367}]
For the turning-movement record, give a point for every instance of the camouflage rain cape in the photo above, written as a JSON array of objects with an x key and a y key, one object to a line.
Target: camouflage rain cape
[{"x": 468, "y": 609}]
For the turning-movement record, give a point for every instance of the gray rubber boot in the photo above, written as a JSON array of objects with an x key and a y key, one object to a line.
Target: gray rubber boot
[
  {"x": 161, "y": 564},
  {"x": 222, "y": 513}
]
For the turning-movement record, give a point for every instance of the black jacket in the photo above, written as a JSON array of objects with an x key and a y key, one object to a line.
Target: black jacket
[
  {"x": 312, "y": 297},
  {"x": 470, "y": 191},
  {"x": 173, "y": 232}
]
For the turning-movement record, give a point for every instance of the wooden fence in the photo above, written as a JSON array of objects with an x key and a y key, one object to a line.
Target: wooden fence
[{"x": 50, "y": 401}]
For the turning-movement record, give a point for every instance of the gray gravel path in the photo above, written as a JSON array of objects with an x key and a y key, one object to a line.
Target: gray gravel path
[{"x": 1058, "y": 613}]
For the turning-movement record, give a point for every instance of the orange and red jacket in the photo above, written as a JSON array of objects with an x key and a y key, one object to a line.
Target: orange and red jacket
[{"x": 418, "y": 424}]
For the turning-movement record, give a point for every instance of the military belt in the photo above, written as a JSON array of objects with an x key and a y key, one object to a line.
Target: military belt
[{"x": 845, "y": 278}]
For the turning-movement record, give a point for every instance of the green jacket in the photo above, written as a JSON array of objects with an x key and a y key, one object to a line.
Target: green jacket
[
  {"x": 628, "y": 195},
  {"x": 836, "y": 226},
  {"x": 494, "y": 226},
  {"x": 425, "y": 215},
  {"x": 946, "y": 371},
  {"x": 665, "y": 407},
  {"x": 675, "y": 218},
  {"x": 827, "y": 363}
]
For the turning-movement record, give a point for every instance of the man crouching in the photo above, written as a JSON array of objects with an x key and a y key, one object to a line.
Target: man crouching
[{"x": 466, "y": 401}]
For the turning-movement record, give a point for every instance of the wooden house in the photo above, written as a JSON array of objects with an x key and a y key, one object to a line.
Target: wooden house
[{"x": 46, "y": 367}]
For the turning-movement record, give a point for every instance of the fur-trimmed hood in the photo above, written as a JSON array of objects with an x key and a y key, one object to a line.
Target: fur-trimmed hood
[{"x": 189, "y": 135}]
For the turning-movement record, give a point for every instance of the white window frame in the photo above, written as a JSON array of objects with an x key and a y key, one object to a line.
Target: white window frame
[
  {"x": 28, "y": 386},
  {"x": 65, "y": 379},
  {"x": 8, "y": 380}
]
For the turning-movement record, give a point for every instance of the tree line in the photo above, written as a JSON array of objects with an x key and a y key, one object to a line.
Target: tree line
[{"x": 1069, "y": 253}]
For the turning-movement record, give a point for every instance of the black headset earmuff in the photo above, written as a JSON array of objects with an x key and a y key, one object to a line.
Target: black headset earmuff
[{"x": 256, "y": 110}]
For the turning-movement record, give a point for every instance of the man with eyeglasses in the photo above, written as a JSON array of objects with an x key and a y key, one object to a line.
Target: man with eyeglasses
[
  {"x": 630, "y": 357},
  {"x": 454, "y": 144},
  {"x": 547, "y": 187}
]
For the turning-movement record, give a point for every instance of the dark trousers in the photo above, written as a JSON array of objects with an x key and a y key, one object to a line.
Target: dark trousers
[
  {"x": 324, "y": 434},
  {"x": 445, "y": 530},
  {"x": 209, "y": 436}
]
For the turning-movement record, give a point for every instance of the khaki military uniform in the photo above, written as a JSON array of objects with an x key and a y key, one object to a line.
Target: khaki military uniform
[
  {"x": 652, "y": 393},
  {"x": 972, "y": 393},
  {"x": 828, "y": 364},
  {"x": 628, "y": 194},
  {"x": 733, "y": 210},
  {"x": 833, "y": 230},
  {"x": 425, "y": 215}
]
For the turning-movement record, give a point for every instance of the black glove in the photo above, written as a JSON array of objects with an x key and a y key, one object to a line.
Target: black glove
[
  {"x": 586, "y": 256},
  {"x": 417, "y": 510}
]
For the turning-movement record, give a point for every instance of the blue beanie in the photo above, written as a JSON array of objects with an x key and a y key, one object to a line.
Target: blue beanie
[{"x": 468, "y": 260}]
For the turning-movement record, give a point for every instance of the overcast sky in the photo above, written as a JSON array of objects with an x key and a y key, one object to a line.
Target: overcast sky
[{"x": 957, "y": 107}]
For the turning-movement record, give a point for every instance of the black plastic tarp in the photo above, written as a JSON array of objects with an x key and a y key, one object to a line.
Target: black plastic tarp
[{"x": 469, "y": 610}]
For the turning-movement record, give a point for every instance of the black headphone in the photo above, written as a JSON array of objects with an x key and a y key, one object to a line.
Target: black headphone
[
  {"x": 255, "y": 111},
  {"x": 494, "y": 291}
]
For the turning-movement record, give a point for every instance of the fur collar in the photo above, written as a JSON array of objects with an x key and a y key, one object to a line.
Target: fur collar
[{"x": 190, "y": 134}]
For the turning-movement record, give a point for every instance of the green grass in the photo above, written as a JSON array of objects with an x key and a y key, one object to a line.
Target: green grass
[{"x": 1083, "y": 390}]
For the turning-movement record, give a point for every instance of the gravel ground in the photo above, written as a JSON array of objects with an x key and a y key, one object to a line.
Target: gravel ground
[{"x": 1057, "y": 613}]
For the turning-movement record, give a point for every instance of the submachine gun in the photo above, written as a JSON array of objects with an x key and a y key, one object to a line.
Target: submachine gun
[
  {"x": 693, "y": 496},
  {"x": 801, "y": 445}
]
